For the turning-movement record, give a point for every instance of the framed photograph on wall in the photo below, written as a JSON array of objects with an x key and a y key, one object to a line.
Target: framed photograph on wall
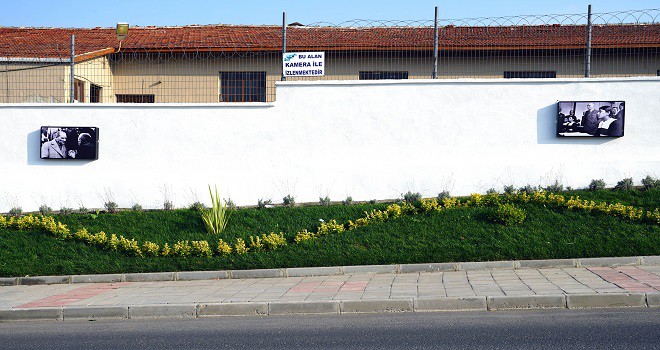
[
  {"x": 590, "y": 118},
  {"x": 69, "y": 142}
]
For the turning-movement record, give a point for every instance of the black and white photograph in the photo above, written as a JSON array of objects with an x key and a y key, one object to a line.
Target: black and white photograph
[
  {"x": 61, "y": 142},
  {"x": 590, "y": 118}
]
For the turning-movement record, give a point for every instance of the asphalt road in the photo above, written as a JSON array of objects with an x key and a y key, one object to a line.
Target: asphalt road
[{"x": 528, "y": 329}]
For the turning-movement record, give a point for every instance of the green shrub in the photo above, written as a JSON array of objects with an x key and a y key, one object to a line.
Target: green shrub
[
  {"x": 289, "y": 200},
  {"x": 347, "y": 201},
  {"x": 45, "y": 210},
  {"x": 508, "y": 215},
  {"x": 625, "y": 184},
  {"x": 442, "y": 195},
  {"x": 649, "y": 182},
  {"x": 66, "y": 211},
  {"x": 596, "y": 185},
  {"x": 111, "y": 206},
  {"x": 264, "y": 203},
  {"x": 199, "y": 206},
  {"x": 509, "y": 189},
  {"x": 555, "y": 187},
  {"x": 136, "y": 207},
  {"x": 529, "y": 189},
  {"x": 325, "y": 201},
  {"x": 412, "y": 197},
  {"x": 168, "y": 205}
]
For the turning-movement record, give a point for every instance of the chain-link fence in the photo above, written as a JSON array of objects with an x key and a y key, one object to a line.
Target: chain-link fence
[{"x": 226, "y": 63}]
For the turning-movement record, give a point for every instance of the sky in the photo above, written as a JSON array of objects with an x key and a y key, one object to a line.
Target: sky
[{"x": 77, "y": 13}]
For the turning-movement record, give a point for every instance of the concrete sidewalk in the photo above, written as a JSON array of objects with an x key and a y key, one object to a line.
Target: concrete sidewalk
[{"x": 570, "y": 283}]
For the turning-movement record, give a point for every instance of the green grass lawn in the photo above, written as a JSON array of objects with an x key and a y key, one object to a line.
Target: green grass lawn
[{"x": 461, "y": 234}]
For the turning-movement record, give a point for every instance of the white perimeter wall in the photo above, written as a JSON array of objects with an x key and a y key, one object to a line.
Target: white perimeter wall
[{"x": 368, "y": 140}]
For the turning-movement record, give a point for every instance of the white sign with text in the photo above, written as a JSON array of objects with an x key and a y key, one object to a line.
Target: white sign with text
[{"x": 303, "y": 64}]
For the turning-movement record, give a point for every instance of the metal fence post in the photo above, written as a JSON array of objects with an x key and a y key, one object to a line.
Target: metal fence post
[
  {"x": 72, "y": 63},
  {"x": 435, "y": 45},
  {"x": 587, "y": 70},
  {"x": 283, "y": 42}
]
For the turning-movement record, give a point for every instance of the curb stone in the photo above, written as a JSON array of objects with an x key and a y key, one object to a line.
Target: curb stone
[
  {"x": 575, "y": 301},
  {"x": 653, "y": 299},
  {"x": 451, "y": 304},
  {"x": 508, "y": 302}
]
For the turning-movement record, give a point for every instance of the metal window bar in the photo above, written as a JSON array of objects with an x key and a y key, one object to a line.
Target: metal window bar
[{"x": 185, "y": 64}]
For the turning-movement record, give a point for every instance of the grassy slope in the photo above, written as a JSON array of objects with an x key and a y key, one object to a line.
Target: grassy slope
[{"x": 464, "y": 234}]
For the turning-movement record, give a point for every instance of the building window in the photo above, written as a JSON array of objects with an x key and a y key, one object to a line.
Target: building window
[
  {"x": 94, "y": 93},
  {"x": 530, "y": 74},
  {"x": 79, "y": 90},
  {"x": 128, "y": 98},
  {"x": 378, "y": 75},
  {"x": 242, "y": 86}
]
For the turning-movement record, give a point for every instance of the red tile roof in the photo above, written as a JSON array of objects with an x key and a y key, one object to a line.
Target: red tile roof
[{"x": 55, "y": 42}]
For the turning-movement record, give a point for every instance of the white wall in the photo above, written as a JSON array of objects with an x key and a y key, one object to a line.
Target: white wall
[{"x": 368, "y": 140}]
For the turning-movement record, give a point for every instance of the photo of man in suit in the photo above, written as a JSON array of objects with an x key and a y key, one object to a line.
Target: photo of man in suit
[
  {"x": 55, "y": 148},
  {"x": 590, "y": 120}
]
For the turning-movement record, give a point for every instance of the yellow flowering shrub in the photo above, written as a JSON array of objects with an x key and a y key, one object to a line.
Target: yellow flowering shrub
[
  {"x": 304, "y": 235},
  {"x": 181, "y": 248},
  {"x": 201, "y": 248},
  {"x": 82, "y": 235},
  {"x": 330, "y": 227},
  {"x": 150, "y": 249},
  {"x": 256, "y": 244},
  {"x": 223, "y": 248},
  {"x": 99, "y": 239},
  {"x": 240, "y": 247},
  {"x": 273, "y": 240},
  {"x": 394, "y": 210},
  {"x": 166, "y": 250},
  {"x": 129, "y": 246},
  {"x": 113, "y": 242}
]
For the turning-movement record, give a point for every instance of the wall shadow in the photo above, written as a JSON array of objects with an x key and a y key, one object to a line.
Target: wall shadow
[
  {"x": 546, "y": 130},
  {"x": 33, "y": 149}
]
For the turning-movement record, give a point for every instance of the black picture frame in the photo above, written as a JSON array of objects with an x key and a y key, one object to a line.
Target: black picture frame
[
  {"x": 601, "y": 119},
  {"x": 78, "y": 142}
]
